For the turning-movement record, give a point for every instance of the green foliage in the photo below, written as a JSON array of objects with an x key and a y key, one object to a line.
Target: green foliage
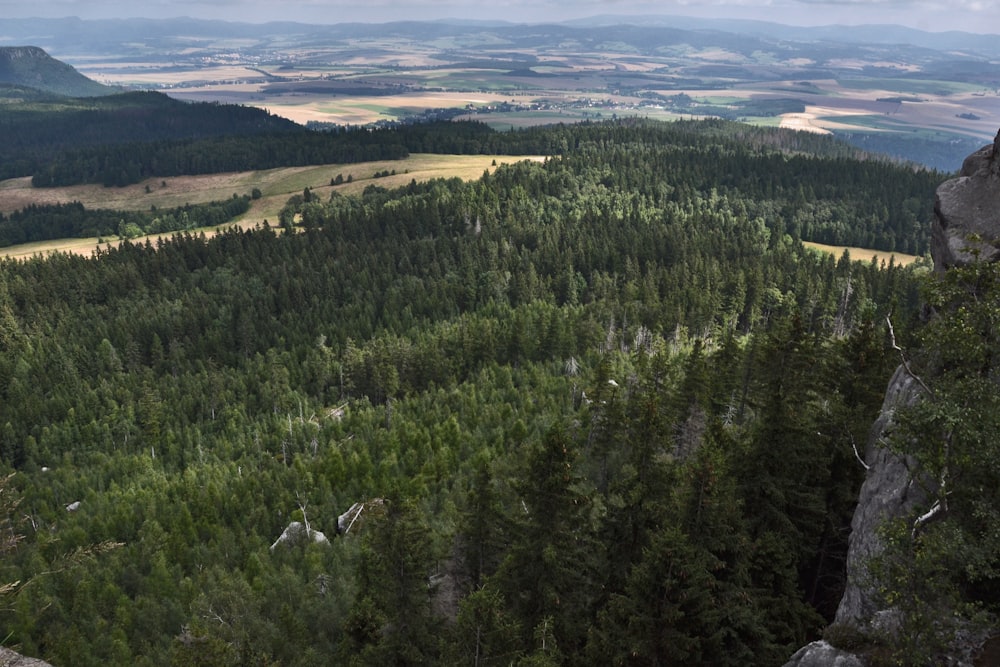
[
  {"x": 392, "y": 623},
  {"x": 587, "y": 392},
  {"x": 40, "y": 134},
  {"x": 941, "y": 571}
]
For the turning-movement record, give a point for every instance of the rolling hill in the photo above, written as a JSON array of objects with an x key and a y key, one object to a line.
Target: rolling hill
[{"x": 32, "y": 67}]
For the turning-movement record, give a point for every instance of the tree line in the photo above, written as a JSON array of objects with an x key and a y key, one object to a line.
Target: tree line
[{"x": 58, "y": 221}]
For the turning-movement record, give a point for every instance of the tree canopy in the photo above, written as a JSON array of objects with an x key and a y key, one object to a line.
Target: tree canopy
[{"x": 597, "y": 410}]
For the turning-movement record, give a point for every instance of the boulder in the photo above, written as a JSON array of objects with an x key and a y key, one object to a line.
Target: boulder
[
  {"x": 297, "y": 532},
  {"x": 821, "y": 654}
]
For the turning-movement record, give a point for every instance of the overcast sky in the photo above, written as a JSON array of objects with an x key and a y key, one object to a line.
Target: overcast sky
[{"x": 982, "y": 16}]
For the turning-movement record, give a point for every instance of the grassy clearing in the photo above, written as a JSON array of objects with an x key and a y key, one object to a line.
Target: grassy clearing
[
  {"x": 863, "y": 254},
  {"x": 276, "y": 186}
]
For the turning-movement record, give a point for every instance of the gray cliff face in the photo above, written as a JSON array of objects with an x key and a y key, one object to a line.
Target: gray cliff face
[
  {"x": 886, "y": 493},
  {"x": 966, "y": 229}
]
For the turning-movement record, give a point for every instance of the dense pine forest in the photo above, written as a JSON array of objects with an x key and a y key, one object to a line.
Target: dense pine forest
[{"x": 598, "y": 410}]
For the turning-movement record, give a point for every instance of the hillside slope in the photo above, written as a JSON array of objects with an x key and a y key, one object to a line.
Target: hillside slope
[{"x": 32, "y": 67}]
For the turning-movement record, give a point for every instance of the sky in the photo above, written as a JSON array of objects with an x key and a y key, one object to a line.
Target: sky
[{"x": 980, "y": 16}]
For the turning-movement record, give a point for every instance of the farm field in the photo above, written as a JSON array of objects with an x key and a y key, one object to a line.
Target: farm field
[
  {"x": 827, "y": 106},
  {"x": 276, "y": 186},
  {"x": 526, "y": 75}
]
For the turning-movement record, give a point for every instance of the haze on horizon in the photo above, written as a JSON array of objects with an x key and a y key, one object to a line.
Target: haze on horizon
[{"x": 976, "y": 16}]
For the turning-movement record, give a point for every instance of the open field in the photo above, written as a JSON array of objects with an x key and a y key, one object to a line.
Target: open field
[
  {"x": 276, "y": 185},
  {"x": 863, "y": 254}
]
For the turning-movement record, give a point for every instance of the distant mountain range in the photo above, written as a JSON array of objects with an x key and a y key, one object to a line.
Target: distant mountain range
[
  {"x": 66, "y": 35},
  {"x": 31, "y": 67},
  {"x": 850, "y": 34}
]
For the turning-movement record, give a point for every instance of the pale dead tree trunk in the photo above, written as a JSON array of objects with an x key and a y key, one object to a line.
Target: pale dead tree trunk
[
  {"x": 936, "y": 508},
  {"x": 854, "y": 446},
  {"x": 305, "y": 517},
  {"x": 360, "y": 509},
  {"x": 904, "y": 360},
  {"x": 940, "y": 506},
  {"x": 840, "y": 323}
]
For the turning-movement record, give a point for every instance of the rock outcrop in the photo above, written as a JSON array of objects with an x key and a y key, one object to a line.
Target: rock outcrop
[
  {"x": 297, "y": 533},
  {"x": 885, "y": 494},
  {"x": 9, "y": 658},
  {"x": 967, "y": 209},
  {"x": 966, "y": 229}
]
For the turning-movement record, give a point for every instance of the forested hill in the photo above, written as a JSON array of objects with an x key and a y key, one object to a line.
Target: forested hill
[
  {"x": 32, "y": 67},
  {"x": 598, "y": 410},
  {"x": 38, "y": 131}
]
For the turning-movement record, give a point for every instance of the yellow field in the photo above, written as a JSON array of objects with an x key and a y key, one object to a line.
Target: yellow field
[
  {"x": 863, "y": 254},
  {"x": 276, "y": 185}
]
